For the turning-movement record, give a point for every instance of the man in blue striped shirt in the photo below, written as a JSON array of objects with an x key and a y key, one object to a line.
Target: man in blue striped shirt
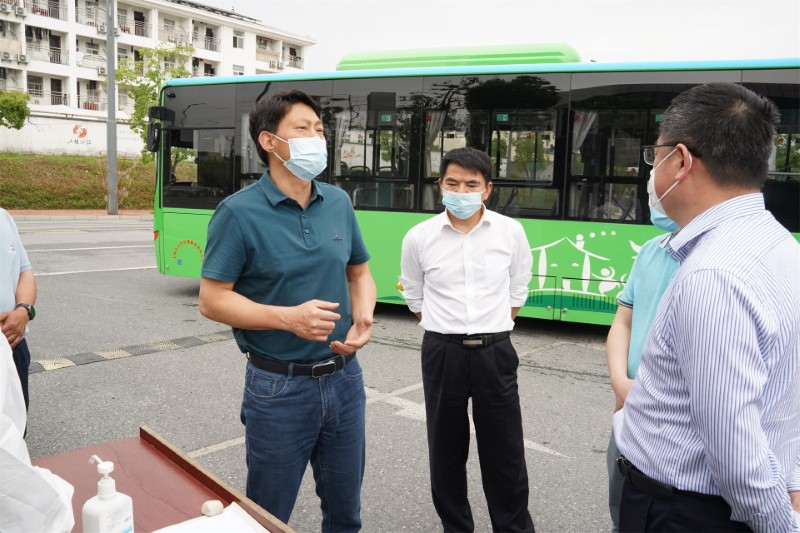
[{"x": 710, "y": 436}]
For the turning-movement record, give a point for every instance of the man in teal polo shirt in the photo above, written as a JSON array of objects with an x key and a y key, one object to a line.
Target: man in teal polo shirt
[{"x": 286, "y": 268}]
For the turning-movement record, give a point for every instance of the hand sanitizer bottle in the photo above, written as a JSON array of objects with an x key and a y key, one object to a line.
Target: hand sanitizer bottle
[{"x": 110, "y": 511}]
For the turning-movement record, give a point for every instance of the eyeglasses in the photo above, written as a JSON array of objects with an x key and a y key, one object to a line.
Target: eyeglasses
[{"x": 649, "y": 152}]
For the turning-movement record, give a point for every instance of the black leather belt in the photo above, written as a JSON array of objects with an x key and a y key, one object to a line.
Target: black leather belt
[
  {"x": 316, "y": 370},
  {"x": 478, "y": 340},
  {"x": 642, "y": 481}
]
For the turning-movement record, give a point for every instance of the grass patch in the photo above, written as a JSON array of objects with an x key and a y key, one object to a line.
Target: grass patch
[{"x": 72, "y": 182}]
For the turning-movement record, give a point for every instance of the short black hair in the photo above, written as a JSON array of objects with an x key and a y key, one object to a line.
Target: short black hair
[
  {"x": 469, "y": 158},
  {"x": 270, "y": 110},
  {"x": 727, "y": 125}
]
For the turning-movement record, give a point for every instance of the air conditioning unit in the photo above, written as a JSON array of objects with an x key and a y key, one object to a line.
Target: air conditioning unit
[
  {"x": 101, "y": 71},
  {"x": 22, "y": 58},
  {"x": 101, "y": 28},
  {"x": 5, "y": 8},
  {"x": 7, "y": 55},
  {"x": 116, "y": 32},
  {"x": 21, "y": 11}
]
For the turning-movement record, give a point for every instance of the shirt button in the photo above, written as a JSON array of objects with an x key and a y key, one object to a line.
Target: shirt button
[{"x": 306, "y": 231}]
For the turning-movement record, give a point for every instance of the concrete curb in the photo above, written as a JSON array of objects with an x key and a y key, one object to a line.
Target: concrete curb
[{"x": 55, "y": 363}]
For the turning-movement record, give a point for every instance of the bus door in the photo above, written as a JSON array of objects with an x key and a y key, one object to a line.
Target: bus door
[
  {"x": 522, "y": 152},
  {"x": 373, "y": 130}
]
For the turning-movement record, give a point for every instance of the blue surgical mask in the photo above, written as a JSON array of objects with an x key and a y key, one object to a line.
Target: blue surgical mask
[
  {"x": 308, "y": 156},
  {"x": 463, "y": 205},
  {"x": 653, "y": 199},
  {"x": 662, "y": 221}
]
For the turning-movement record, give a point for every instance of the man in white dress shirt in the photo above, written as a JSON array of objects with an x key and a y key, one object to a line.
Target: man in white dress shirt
[{"x": 465, "y": 274}]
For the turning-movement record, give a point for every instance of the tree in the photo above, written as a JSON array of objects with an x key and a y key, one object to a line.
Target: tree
[
  {"x": 142, "y": 80},
  {"x": 14, "y": 109}
]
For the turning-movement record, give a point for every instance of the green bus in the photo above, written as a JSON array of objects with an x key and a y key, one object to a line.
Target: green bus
[{"x": 564, "y": 136}]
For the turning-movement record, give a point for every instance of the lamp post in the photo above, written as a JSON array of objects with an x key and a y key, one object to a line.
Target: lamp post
[{"x": 111, "y": 107}]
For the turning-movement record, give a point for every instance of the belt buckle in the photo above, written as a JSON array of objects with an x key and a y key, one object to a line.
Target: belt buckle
[
  {"x": 475, "y": 342},
  {"x": 326, "y": 368}
]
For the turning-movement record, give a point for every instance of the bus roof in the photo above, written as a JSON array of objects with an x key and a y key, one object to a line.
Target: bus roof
[
  {"x": 542, "y": 68},
  {"x": 461, "y": 56}
]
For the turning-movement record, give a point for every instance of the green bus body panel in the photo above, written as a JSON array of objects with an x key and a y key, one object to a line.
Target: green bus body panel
[
  {"x": 460, "y": 56},
  {"x": 579, "y": 268},
  {"x": 181, "y": 242}
]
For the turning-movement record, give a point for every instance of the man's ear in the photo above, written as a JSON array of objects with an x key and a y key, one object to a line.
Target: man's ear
[
  {"x": 687, "y": 164},
  {"x": 267, "y": 141},
  {"x": 488, "y": 192}
]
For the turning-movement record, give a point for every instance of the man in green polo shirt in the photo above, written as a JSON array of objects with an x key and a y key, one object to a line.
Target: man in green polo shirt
[{"x": 286, "y": 268}]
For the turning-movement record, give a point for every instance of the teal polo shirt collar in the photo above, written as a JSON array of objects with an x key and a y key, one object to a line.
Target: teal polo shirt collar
[{"x": 275, "y": 195}]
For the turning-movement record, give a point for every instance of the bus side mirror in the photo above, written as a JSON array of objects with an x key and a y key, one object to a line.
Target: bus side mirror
[{"x": 153, "y": 136}]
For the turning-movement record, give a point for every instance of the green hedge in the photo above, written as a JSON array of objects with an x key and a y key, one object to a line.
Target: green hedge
[{"x": 70, "y": 182}]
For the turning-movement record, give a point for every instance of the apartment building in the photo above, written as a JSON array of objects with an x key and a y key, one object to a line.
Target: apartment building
[{"x": 55, "y": 50}]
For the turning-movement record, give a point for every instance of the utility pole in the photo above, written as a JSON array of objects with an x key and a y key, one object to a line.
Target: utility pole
[{"x": 111, "y": 107}]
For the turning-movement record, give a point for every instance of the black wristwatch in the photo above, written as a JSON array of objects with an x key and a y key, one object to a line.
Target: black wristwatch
[{"x": 30, "y": 309}]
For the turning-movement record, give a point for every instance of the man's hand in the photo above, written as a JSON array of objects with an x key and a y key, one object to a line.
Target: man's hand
[
  {"x": 357, "y": 337},
  {"x": 621, "y": 389},
  {"x": 795, "y": 497},
  {"x": 12, "y": 324},
  {"x": 313, "y": 320}
]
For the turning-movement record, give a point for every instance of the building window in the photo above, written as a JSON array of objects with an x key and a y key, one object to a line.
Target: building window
[
  {"x": 238, "y": 70},
  {"x": 122, "y": 54},
  {"x": 92, "y": 48},
  {"x": 238, "y": 39},
  {"x": 36, "y": 86}
]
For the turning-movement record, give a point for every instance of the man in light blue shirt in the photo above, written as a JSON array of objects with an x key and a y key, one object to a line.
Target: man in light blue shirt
[
  {"x": 17, "y": 296},
  {"x": 650, "y": 275},
  {"x": 710, "y": 437}
]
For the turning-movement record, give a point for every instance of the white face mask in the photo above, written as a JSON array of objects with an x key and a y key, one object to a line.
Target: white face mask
[
  {"x": 654, "y": 201},
  {"x": 462, "y": 205},
  {"x": 308, "y": 156}
]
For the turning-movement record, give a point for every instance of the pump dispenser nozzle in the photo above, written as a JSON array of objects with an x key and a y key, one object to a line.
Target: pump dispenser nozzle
[
  {"x": 103, "y": 467},
  {"x": 106, "y": 487}
]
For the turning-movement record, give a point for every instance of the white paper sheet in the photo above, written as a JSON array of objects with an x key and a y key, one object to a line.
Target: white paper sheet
[{"x": 233, "y": 519}]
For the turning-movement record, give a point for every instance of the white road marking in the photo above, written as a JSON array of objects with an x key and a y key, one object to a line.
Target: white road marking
[
  {"x": 408, "y": 409},
  {"x": 93, "y": 248},
  {"x": 40, "y": 274}
]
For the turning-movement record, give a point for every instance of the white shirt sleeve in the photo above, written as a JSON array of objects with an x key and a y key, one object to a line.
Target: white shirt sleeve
[
  {"x": 411, "y": 275},
  {"x": 520, "y": 271}
]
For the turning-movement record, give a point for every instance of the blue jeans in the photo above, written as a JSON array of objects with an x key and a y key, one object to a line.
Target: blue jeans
[
  {"x": 615, "y": 483},
  {"x": 291, "y": 420}
]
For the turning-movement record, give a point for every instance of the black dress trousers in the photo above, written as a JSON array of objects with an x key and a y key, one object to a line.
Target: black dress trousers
[{"x": 451, "y": 375}]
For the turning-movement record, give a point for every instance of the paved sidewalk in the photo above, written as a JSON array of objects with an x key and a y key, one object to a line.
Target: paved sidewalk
[{"x": 80, "y": 214}]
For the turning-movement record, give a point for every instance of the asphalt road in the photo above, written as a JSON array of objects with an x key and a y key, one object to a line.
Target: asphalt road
[{"x": 116, "y": 345}]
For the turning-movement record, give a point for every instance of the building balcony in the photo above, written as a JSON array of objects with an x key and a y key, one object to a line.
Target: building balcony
[
  {"x": 90, "y": 16},
  {"x": 139, "y": 28},
  {"x": 42, "y": 52},
  {"x": 92, "y": 61},
  {"x": 49, "y": 9},
  {"x": 92, "y": 102},
  {"x": 173, "y": 35},
  {"x": 267, "y": 56},
  {"x": 38, "y": 97},
  {"x": 207, "y": 43}
]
